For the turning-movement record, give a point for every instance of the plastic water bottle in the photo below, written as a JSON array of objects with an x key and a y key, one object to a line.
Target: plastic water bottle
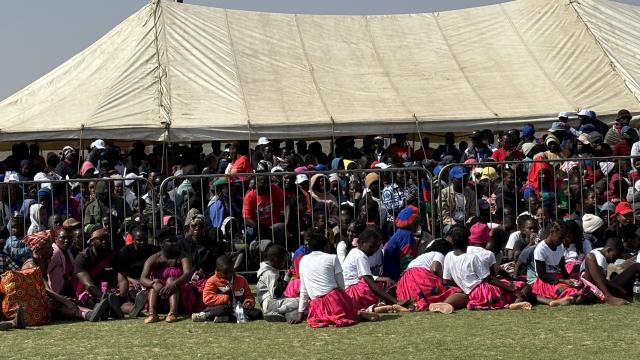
[
  {"x": 636, "y": 291},
  {"x": 104, "y": 286},
  {"x": 239, "y": 311}
]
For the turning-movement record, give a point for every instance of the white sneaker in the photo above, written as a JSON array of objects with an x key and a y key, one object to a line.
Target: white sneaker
[{"x": 199, "y": 317}]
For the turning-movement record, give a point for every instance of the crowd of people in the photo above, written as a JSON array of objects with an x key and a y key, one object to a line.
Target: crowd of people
[{"x": 513, "y": 219}]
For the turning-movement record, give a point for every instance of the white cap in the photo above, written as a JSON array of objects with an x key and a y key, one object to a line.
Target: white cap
[
  {"x": 563, "y": 114},
  {"x": 131, "y": 177},
  {"x": 11, "y": 177},
  {"x": 264, "y": 141},
  {"x": 382, "y": 165},
  {"x": 583, "y": 112},
  {"x": 98, "y": 144},
  {"x": 300, "y": 178}
]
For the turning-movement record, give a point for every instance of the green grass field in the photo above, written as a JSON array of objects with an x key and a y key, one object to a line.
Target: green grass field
[{"x": 594, "y": 332}]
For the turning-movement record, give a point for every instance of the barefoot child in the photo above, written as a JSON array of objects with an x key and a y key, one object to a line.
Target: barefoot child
[
  {"x": 594, "y": 274},
  {"x": 552, "y": 285},
  {"x": 222, "y": 291},
  {"x": 484, "y": 291},
  {"x": 166, "y": 275},
  {"x": 423, "y": 279},
  {"x": 271, "y": 286},
  {"x": 360, "y": 284},
  {"x": 322, "y": 288}
]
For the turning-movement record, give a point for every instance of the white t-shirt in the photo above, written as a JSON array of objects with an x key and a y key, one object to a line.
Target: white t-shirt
[
  {"x": 513, "y": 238},
  {"x": 551, "y": 258},
  {"x": 319, "y": 274},
  {"x": 356, "y": 265},
  {"x": 570, "y": 252},
  {"x": 465, "y": 270},
  {"x": 600, "y": 259},
  {"x": 487, "y": 258},
  {"x": 341, "y": 251},
  {"x": 426, "y": 260}
]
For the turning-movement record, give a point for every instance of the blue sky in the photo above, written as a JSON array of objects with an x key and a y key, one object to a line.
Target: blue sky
[{"x": 38, "y": 35}]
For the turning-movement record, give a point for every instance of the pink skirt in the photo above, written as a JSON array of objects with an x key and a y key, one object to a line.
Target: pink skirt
[
  {"x": 333, "y": 309},
  {"x": 592, "y": 291},
  {"x": 187, "y": 297},
  {"x": 573, "y": 269},
  {"x": 486, "y": 296},
  {"x": 424, "y": 287},
  {"x": 361, "y": 294},
  {"x": 293, "y": 288},
  {"x": 555, "y": 292}
]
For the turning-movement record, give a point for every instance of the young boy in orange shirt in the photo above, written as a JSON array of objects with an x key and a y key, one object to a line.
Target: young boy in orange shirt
[{"x": 222, "y": 291}]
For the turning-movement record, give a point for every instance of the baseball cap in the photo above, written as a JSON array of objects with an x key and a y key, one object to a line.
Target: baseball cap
[
  {"x": 98, "y": 144},
  {"x": 583, "y": 112},
  {"x": 557, "y": 126},
  {"x": 130, "y": 179},
  {"x": 563, "y": 114},
  {"x": 70, "y": 223},
  {"x": 220, "y": 181},
  {"x": 623, "y": 208},
  {"x": 263, "y": 141},
  {"x": 528, "y": 130},
  {"x": 300, "y": 178},
  {"x": 488, "y": 173},
  {"x": 457, "y": 172},
  {"x": 623, "y": 113}
]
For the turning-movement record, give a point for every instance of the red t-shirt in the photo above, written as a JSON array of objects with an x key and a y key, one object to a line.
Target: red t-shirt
[
  {"x": 501, "y": 154},
  {"x": 264, "y": 209}
]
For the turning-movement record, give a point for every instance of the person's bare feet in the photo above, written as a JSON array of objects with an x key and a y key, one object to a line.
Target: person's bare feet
[
  {"x": 562, "y": 302},
  {"x": 368, "y": 316},
  {"x": 616, "y": 301},
  {"x": 400, "y": 308},
  {"x": 522, "y": 305},
  {"x": 443, "y": 308}
]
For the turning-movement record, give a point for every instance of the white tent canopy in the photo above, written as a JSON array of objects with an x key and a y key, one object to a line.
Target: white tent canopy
[{"x": 190, "y": 73}]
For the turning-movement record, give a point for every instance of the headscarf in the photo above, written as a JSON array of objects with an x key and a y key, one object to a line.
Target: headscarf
[
  {"x": 36, "y": 222},
  {"x": 24, "y": 163},
  {"x": 38, "y": 240},
  {"x": 324, "y": 198},
  {"x": 86, "y": 167},
  {"x": 335, "y": 163},
  {"x": 533, "y": 179},
  {"x": 407, "y": 217},
  {"x": 479, "y": 234}
]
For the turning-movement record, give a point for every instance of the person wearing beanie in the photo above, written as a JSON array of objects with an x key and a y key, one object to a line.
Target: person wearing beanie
[
  {"x": 615, "y": 134},
  {"x": 372, "y": 193},
  {"x": 553, "y": 148},
  {"x": 593, "y": 230},
  {"x": 401, "y": 247}
]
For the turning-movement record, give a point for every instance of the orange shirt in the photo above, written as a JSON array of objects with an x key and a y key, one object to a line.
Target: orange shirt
[{"x": 216, "y": 290}]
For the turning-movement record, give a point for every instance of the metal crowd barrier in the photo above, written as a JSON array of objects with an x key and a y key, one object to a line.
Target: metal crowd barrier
[
  {"x": 575, "y": 180},
  {"x": 66, "y": 199},
  {"x": 179, "y": 194}
]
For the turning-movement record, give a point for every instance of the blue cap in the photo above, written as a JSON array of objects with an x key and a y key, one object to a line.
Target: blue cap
[
  {"x": 608, "y": 206},
  {"x": 457, "y": 172},
  {"x": 437, "y": 169},
  {"x": 625, "y": 129},
  {"x": 321, "y": 167},
  {"x": 557, "y": 126},
  {"x": 591, "y": 114},
  {"x": 587, "y": 128},
  {"x": 528, "y": 131}
]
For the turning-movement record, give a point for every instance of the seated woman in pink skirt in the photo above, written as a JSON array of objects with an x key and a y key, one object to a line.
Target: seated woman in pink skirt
[
  {"x": 166, "y": 274},
  {"x": 553, "y": 285},
  {"x": 482, "y": 290},
  {"x": 422, "y": 281},
  {"x": 322, "y": 289},
  {"x": 365, "y": 291}
]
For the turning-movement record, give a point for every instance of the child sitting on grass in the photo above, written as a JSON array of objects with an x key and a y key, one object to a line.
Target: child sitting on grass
[
  {"x": 222, "y": 291},
  {"x": 271, "y": 286},
  {"x": 321, "y": 282},
  {"x": 365, "y": 291},
  {"x": 594, "y": 274},
  {"x": 483, "y": 290}
]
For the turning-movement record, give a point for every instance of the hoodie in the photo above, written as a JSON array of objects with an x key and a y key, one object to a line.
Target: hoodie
[
  {"x": 270, "y": 284},
  {"x": 36, "y": 222}
]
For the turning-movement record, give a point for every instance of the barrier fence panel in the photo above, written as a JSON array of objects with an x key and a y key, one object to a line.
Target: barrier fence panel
[
  {"x": 243, "y": 213},
  {"x": 499, "y": 192},
  {"x": 116, "y": 204}
]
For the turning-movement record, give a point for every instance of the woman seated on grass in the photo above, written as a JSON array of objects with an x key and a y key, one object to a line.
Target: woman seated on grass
[{"x": 166, "y": 275}]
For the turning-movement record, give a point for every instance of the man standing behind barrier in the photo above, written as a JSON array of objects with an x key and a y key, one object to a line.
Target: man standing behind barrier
[
  {"x": 105, "y": 204},
  {"x": 457, "y": 202}
]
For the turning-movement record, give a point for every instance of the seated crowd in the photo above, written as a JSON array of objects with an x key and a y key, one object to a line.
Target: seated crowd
[{"x": 335, "y": 238}]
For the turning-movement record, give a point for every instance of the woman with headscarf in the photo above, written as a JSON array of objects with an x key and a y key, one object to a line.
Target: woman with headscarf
[
  {"x": 321, "y": 197},
  {"x": 539, "y": 181},
  {"x": 25, "y": 171},
  {"x": 38, "y": 216}
]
